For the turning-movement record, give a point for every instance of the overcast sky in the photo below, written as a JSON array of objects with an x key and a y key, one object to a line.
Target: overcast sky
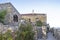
[{"x": 49, "y": 7}]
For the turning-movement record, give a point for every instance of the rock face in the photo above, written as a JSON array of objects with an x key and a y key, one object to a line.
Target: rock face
[{"x": 12, "y": 17}]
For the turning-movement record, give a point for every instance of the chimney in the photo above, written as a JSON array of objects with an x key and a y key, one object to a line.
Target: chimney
[{"x": 32, "y": 11}]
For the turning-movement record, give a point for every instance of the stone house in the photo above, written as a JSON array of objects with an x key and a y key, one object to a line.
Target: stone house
[{"x": 12, "y": 18}]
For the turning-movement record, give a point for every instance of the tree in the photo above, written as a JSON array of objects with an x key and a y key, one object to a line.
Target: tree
[
  {"x": 2, "y": 15},
  {"x": 25, "y": 32}
]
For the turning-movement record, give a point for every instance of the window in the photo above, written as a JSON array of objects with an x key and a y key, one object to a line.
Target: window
[
  {"x": 29, "y": 20},
  {"x": 15, "y": 18},
  {"x": 37, "y": 19}
]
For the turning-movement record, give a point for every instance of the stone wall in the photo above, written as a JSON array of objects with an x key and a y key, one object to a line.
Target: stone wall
[
  {"x": 4, "y": 28},
  {"x": 34, "y": 17},
  {"x": 44, "y": 30},
  {"x": 11, "y": 11},
  {"x": 57, "y": 34},
  {"x": 40, "y": 32}
]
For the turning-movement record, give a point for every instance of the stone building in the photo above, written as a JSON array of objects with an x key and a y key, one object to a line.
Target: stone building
[
  {"x": 33, "y": 17},
  {"x": 12, "y": 18}
]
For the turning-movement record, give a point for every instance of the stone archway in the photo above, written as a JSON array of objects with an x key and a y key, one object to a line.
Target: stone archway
[{"x": 15, "y": 18}]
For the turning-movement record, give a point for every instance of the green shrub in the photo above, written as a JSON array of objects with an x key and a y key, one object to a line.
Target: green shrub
[
  {"x": 25, "y": 32},
  {"x": 6, "y": 36},
  {"x": 2, "y": 15},
  {"x": 39, "y": 23}
]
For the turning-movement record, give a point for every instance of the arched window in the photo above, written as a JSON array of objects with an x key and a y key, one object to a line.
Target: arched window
[{"x": 15, "y": 18}]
